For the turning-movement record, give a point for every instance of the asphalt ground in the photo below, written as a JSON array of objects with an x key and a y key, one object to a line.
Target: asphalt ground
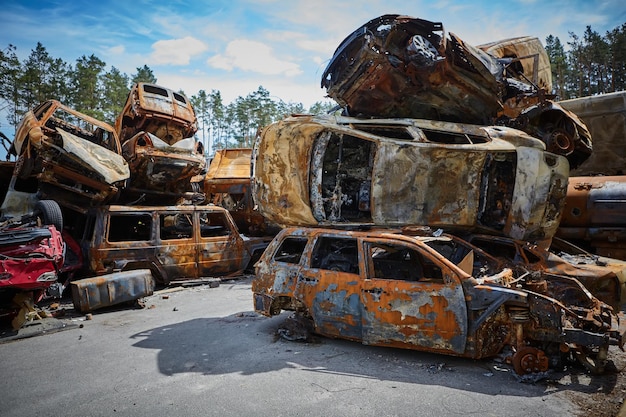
[{"x": 203, "y": 351}]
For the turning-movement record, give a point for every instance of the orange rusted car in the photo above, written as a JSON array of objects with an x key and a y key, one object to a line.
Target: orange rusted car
[
  {"x": 431, "y": 292},
  {"x": 66, "y": 156}
]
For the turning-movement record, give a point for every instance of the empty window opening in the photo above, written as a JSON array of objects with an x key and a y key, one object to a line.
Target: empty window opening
[
  {"x": 336, "y": 254},
  {"x": 290, "y": 251},
  {"x": 346, "y": 178},
  {"x": 155, "y": 90},
  {"x": 213, "y": 225},
  {"x": 496, "y": 192},
  {"x": 453, "y": 138},
  {"x": 176, "y": 226},
  {"x": 393, "y": 132},
  {"x": 130, "y": 227},
  {"x": 400, "y": 262}
]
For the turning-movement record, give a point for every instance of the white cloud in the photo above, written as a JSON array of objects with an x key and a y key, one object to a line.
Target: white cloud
[
  {"x": 253, "y": 56},
  {"x": 176, "y": 51},
  {"x": 116, "y": 50}
]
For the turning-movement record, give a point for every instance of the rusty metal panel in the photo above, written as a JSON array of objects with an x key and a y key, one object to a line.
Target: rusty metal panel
[
  {"x": 233, "y": 163},
  {"x": 605, "y": 116},
  {"x": 595, "y": 214},
  {"x": 107, "y": 290}
]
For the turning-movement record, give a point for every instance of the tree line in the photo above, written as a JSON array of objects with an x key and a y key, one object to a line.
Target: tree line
[
  {"x": 592, "y": 64},
  {"x": 89, "y": 88}
]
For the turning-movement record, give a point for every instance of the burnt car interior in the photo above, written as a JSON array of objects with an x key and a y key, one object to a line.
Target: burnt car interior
[
  {"x": 130, "y": 228},
  {"x": 336, "y": 254},
  {"x": 290, "y": 251},
  {"x": 345, "y": 174}
]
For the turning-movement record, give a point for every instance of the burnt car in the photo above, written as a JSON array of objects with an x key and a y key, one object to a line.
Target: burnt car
[
  {"x": 156, "y": 128},
  {"x": 228, "y": 184},
  {"x": 605, "y": 116},
  {"x": 430, "y": 293},
  {"x": 31, "y": 259},
  {"x": 157, "y": 110},
  {"x": 161, "y": 173},
  {"x": 65, "y": 156},
  {"x": 400, "y": 66},
  {"x": 177, "y": 243},
  {"x": 337, "y": 170},
  {"x": 604, "y": 277},
  {"x": 595, "y": 207}
]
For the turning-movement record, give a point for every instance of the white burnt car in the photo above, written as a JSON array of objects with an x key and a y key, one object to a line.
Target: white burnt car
[{"x": 335, "y": 170}]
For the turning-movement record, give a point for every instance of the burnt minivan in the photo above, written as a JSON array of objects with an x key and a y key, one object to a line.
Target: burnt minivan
[{"x": 177, "y": 243}]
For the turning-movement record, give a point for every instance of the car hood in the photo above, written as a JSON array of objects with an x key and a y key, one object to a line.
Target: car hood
[{"x": 110, "y": 165}]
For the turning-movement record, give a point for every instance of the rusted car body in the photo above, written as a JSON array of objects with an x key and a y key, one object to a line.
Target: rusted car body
[
  {"x": 605, "y": 116},
  {"x": 399, "y": 66},
  {"x": 604, "y": 277},
  {"x": 431, "y": 293},
  {"x": 595, "y": 215},
  {"x": 162, "y": 173},
  {"x": 175, "y": 242},
  {"x": 157, "y": 110},
  {"x": 69, "y": 157},
  {"x": 335, "y": 170},
  {"x": 228, "y": 184}
]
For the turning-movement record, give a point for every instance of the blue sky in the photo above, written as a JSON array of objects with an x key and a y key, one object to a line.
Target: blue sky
[{"x": 234, "y": 46}]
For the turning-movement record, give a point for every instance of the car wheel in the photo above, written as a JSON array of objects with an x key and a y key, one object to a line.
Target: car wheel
[{"x": 49, "y": 213}]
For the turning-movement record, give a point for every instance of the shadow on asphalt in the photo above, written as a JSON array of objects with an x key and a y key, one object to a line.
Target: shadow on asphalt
[{"x": 247, "y": 343}]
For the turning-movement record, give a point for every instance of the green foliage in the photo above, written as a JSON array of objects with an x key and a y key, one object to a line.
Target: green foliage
[
  {"x": 593, "y": 64},
  {"x": 144, "y": 75}
]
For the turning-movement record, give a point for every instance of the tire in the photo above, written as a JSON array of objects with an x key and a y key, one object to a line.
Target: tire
[{"x": 49, "y": 212}]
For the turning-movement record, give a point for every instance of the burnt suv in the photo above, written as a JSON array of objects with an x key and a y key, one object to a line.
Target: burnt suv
[
  {"x": 431, "y": 292},
  {"x": 175, "y": 242}
]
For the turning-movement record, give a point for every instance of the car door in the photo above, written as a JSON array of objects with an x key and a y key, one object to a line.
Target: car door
[
  {"x": 329, "y": 285},
  {"x": 221, "y": 250},
  {"x": 177, "y": 246},
  {"x": 410, "y": 299}
]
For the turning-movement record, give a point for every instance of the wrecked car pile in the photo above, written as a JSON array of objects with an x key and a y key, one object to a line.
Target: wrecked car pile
[
  {"x": 167, "y": 165},
  {"x": 80, "y": 166},
  {"x": 399, "y": 66},
  {"x": 434, "y": 133}
]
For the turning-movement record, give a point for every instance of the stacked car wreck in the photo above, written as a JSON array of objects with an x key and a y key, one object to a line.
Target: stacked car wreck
[
  {"x": 435, "y": 135},
  {"x": 71, "y": 168}
]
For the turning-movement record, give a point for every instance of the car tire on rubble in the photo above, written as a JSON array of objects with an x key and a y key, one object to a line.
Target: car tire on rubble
[{"x": 48, "y": 212}]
